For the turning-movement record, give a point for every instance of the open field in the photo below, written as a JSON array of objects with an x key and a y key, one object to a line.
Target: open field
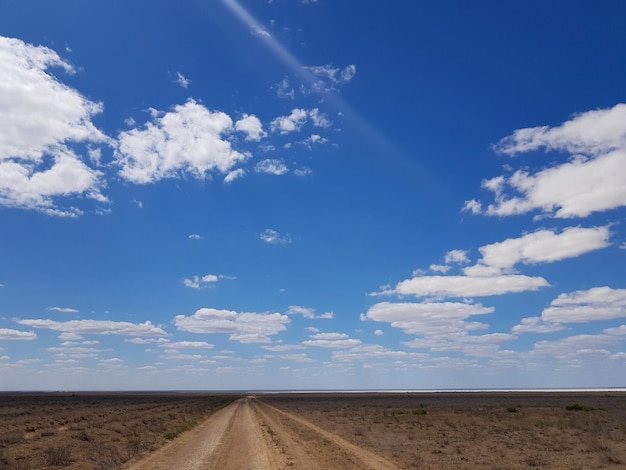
[
  {"x": 494, "y": 430},
  {"x": 94, "y": 430}
]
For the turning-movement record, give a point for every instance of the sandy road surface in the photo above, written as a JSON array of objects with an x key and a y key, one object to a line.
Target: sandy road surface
[{"x": 251, "y": 435}]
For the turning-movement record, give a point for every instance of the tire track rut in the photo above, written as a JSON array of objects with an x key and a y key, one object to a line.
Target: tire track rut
[{"x": 251, "y": 435}]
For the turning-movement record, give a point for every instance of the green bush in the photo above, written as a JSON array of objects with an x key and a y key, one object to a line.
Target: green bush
[
  {"x": 578, "y": 407},
  {"x": 419, "y": 412}
]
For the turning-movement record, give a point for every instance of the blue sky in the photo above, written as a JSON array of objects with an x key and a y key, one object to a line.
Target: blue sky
[{"x": 299, "y": 194}]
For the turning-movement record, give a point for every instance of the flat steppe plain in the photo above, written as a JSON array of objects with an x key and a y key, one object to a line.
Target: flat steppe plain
[{"x": 461, "y": 430}]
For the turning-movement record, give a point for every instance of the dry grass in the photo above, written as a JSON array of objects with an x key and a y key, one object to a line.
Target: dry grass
[
  {"x": 93, "y": 431},
  {"x": 476, "y": 430}
]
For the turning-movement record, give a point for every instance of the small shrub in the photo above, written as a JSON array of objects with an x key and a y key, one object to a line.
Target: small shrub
[
  {"x": 511, "y": 409},
  {"x": 419, "y": 412},
  {"x": 579, "y": 407},
  {"x": 58, "y": 456}
]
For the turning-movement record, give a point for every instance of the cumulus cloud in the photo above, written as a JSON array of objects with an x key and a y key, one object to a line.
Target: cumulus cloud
[
  {"x": 428, "y": 318},
  {"x": 271, "y": 167},
  {"x": 297, "y": 119},
  {"x": 243, "y": 327},
  {"x": 331, "y": 340},
  {"x": 42, "y": 121},
  {"x": 189, "y": 140},
  {"x": 273, "y": 237},
  {"x": 494, "y": 273},
  {"x": 235, "y": 174},
  {"x": 543, "y": 246},
  {"x": 291, "y": 123},
  {"x": 440, "y": 326},
  {"x": 456, "y": 257},
  {"x": 466, "y": 286},
  {"x": 188, "y": 345},
  {"x": 7, "y": 334},
  {"x": 598, "y": 303},
  {"x": 593, "y": 180},
  {"x": 97, "y": 327},
  {"x": 252, "y": 127},
  {"x": 308, "y": 312},
  {"x": 314, "y": 139},
  {"x": 595, "y": 304},
  {"x": 198, "y": 282}
]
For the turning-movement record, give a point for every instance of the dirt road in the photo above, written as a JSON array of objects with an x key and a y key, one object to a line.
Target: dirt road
[{"x": 251, "y": 435}]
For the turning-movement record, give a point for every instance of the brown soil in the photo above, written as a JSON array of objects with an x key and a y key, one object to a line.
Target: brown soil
[{"x": 502, "y": 430}]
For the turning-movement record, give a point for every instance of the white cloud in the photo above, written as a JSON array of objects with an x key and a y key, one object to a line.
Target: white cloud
[
  {"x": 282, "y": 347},
  {"x": 379, "y": 332},
  {"x": 593, "y": 180},
  {"x": 188, "y": 345},
  {"x": 328, "y": 78},
  {"x": 494, "y": 273},
  {"x": 41, "y": 118},
  {"x": 182, "y": 80},
  {"x": 273, "y": 237},
  {"x": 62, "y": 309},
  {"x": 536, "y": 325},
  {"x": 291, "y": 123},
  {"x": 441, "y": 326},
  {"x": 195, "y": 236},
  {"x": 314, "y": 139},
  {"x": 285, "y": 90},
  {"x": 365, "y": 352},
  {"x": 252, "y": 127},
  {"x": 428, "y": 318},
  {"x": 331, "y": 340},
  {"x": 308, "y": 312},
  {"x": 242, "y": 327},
  {"x": 319, "y": 119},
  {"x": 438, "y": 268},
  {"x": 456, "y": 256},
  {"x": 10, "y": 334},
  {"x": 97, "y": 327},
  {"x": 544, "y": 246},
  {"x": 573, "y": 347},
  {"x": 199, "y": 282},
  {"x": 186, "y": 141},
  {"x": 598, "y": 303},
  {"x": 466, "y": 286},
  {"x": 271, "y": 167},
  {"x": 235, "y": 174},
  {"x": 305, "y": 171}
]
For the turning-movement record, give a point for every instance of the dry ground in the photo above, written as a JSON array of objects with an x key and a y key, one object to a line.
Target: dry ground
[
  {"x": 500, "y": 430},
  {"x": 94, "y": 431}
]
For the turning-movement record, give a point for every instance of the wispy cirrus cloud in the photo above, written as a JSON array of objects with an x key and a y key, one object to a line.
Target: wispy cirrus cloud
[{"x": 62, "y": 309}]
